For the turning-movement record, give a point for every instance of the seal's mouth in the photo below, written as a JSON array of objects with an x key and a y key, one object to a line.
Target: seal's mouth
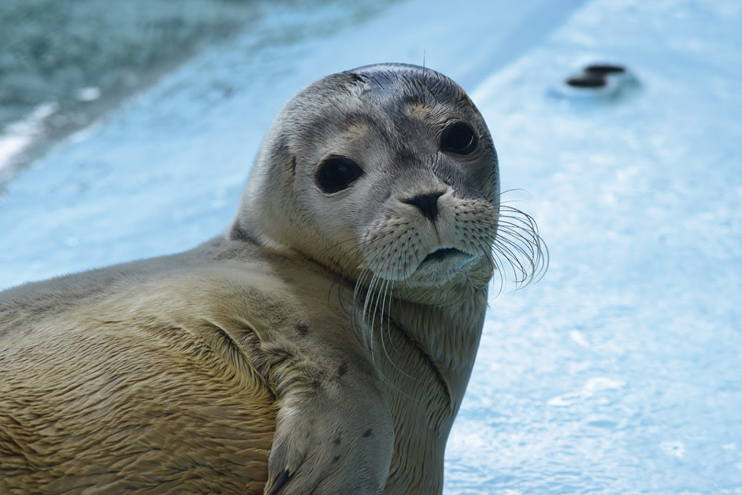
[{"x": 444, "y": 254}]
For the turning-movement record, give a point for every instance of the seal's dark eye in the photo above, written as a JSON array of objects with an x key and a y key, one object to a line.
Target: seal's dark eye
[
  {"x": 336, "y": 173},
  {"x": 459, "y": 138}
]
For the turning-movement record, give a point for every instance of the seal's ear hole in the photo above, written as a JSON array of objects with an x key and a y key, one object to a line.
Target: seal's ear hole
[
  {"x": 337, "y": 173},
  {"x": 459, "y": 138}
]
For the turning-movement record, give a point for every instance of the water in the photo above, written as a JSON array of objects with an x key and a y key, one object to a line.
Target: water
[
  {"x": 64, "y": 65},
  {"x": 619, "y": 372}
]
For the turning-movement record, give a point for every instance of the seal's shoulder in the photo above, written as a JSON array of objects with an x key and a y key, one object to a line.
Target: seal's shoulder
[
  {"x": 215, "y": 279},
  {"x": 124, "y": 287}
]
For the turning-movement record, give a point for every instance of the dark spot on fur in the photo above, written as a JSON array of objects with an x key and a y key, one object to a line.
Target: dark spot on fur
[
  {"x": 280, "y": 482},
  {"x": 302, "y": 329},
  {"x": 355, "y": 78},
  {"x": 335, "y": 459},
  {"x": 238, "y": 233},
  {"x": 368, "y": 433},
  {"x": 337, "y": 440},
  {"x": 343, "y": 369}
]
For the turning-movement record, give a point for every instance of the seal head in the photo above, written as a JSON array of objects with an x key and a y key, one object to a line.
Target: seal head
[{"x": 386, "y": 168}]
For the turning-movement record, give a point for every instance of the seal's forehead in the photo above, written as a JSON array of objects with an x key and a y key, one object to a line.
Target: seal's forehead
[
  {"x": 382, "y": 99},
  {"x": 413, "y": 91},
  {"x": 395, "y": 88},
  {"x": 409, "y": 83}
]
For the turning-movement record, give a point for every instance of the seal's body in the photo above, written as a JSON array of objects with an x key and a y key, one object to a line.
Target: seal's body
[
  {"x": 321, "y": 345},
  {"x": 167, "y": 374}
]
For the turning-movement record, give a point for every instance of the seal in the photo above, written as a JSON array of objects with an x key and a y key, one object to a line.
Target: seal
[{"x": 321, "y": 345}]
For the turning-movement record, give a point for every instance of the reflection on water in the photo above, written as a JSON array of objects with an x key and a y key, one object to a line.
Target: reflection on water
[
  {"x": 52, "y": 50},
  {"x": 83, "y": 57}
]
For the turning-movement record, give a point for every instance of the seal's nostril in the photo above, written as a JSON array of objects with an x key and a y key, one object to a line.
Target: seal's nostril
[{"x": 427, "y": 203}]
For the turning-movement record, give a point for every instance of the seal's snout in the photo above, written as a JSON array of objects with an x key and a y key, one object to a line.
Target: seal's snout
[{"x": 426, "y": 203}]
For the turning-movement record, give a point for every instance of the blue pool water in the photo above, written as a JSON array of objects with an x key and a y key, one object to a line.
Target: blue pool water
[{"x": 620, "y": 372}]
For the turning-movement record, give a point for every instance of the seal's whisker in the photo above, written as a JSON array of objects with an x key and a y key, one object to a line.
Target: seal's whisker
[
  {"x": 486, "y": 256},
  {"x": 394, "y": 348},
  {"x": 529, "y": 250},
  {"x": 370, "y": 294},
  {"x": 518, "y": 270},
  {"x": 376, "y": 293},
  {"x": 354, "y": 263},
  {"x": 527, "y": 238},
  {"x": 518, "y": 251},
  {"x": 386, "y": 310},
  {"x": 357, "y": 311}
]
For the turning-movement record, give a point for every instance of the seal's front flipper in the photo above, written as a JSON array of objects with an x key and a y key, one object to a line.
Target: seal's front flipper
[{"x": 334, "y": 436}]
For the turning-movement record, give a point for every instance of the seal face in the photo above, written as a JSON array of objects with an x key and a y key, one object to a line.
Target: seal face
[
  {"x": 387, "y": 168},
  {"x": 238, "y": 364}
]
